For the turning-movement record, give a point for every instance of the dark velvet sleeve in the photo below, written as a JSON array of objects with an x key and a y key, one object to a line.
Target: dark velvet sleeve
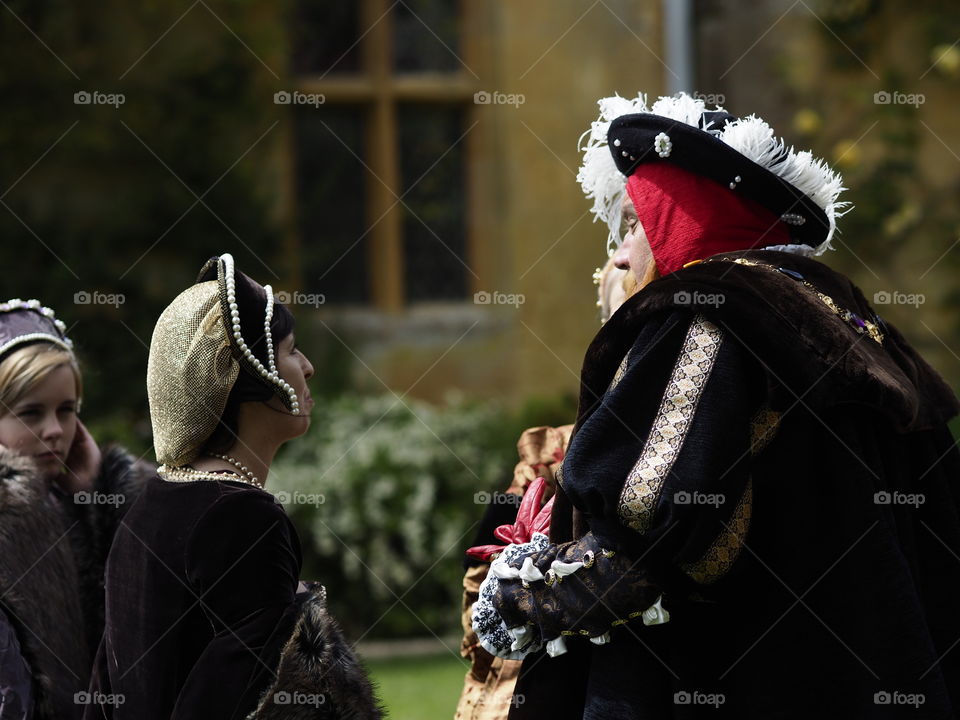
[
  {"x": 662, "y": 468},
  {"x": 16, "y": 685},
  {"x": 243, "y": 562}
]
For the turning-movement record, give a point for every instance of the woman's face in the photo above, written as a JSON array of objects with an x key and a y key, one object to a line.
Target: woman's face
[
  {"x": 294, "y": 367},
  {"x": 634, "y": 252},
  {"x": 43, "y": 423}
]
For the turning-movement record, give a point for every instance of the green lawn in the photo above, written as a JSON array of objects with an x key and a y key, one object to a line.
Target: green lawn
[{"x": 419, "y": 688}]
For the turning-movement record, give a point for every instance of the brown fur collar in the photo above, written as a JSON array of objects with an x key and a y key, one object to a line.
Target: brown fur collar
[
  {"x": 40, "y": 587},
  {"x": 319, "y": 676},
  {"x": 52, "y": 555},
  {"x": 806, "y": 347}
]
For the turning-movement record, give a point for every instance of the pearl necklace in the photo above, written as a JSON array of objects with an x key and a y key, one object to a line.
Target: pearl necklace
[
  {"x": 241, "y": 467},
  {"x": 189, "y": 474}
]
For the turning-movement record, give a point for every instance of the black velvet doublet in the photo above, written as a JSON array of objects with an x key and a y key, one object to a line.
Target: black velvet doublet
[{"x": 792, "y": 487}]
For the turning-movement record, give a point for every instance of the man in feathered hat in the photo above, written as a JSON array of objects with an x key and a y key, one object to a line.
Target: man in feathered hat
[{"x": 759, "y": 513}]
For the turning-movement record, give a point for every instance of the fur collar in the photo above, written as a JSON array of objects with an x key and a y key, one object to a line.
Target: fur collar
[
  {"x": 39, "y": 587},
  {"x": 318, "y": 663},
  {"x": 807, "y": 347},
  {"x": 53, "y": 552}
]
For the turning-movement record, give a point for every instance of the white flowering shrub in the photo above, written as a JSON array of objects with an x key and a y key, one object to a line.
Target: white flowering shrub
[{"x": 382, "y": 493}]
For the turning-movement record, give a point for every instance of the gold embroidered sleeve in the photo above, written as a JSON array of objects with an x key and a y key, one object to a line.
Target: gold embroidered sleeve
[{"x": 645, "y": 481}]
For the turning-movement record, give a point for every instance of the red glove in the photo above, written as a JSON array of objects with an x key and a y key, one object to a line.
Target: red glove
[{"x": 531, "y": 518}]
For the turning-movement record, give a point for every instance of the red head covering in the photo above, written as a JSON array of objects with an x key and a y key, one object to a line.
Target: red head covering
[{"x": 688, "y": 217}]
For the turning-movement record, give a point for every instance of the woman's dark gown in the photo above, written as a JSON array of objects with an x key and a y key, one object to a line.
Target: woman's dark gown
[{"x": 201, "y": 588}]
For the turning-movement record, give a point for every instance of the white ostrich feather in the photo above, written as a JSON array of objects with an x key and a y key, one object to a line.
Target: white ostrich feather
[
  {"x": 598, "y": 175},
  {"x": 751, "y": 136}
]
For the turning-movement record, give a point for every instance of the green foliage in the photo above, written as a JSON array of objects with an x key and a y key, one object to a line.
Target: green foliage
[{"x": 382, "y": 492}]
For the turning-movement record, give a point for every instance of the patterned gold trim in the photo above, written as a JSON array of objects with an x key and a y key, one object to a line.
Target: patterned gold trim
[
  {"x": 722, "y": 553},
  {"x": 621, "y": 371},
  {"x": 762, "y": 428},
  {"x": 684, "y": 388}
]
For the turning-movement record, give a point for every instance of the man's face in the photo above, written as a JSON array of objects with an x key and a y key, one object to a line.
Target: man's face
[{"x": 634, "y": 252}]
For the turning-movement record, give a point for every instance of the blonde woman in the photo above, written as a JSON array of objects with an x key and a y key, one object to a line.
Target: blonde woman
[{"x": 61, "y": 499}]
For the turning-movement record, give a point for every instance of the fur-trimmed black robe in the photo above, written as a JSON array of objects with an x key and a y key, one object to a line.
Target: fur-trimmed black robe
[
  {"x": 53, "y": 547},
  {"x": 788, "y": 483}
]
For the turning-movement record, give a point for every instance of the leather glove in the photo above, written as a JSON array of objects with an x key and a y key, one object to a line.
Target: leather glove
[{"x": 545, "y": 593}]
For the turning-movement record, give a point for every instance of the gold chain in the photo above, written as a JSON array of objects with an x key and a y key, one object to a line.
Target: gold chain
[{"x": 852, "y": 319}]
